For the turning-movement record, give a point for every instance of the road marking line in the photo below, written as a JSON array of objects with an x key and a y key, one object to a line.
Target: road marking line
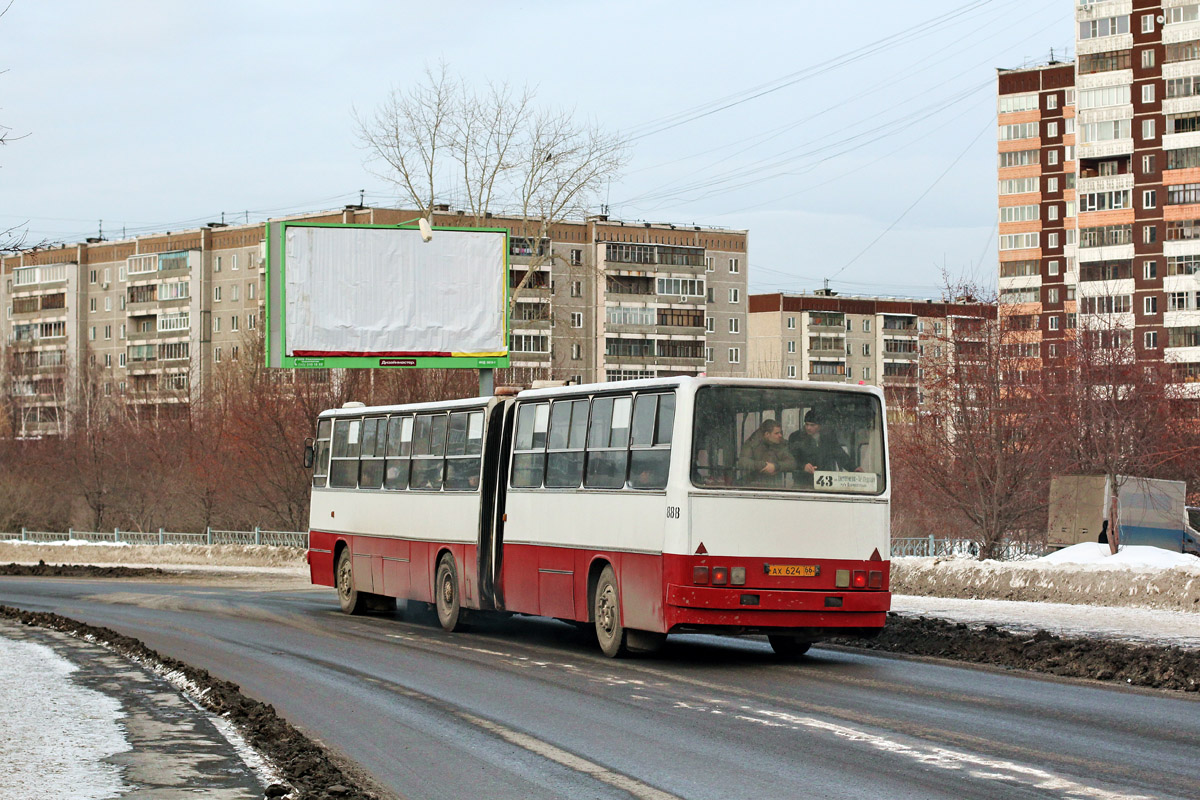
[{"x": 633, "y": 786}]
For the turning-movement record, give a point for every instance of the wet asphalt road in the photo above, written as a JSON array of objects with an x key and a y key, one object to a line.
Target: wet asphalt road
[{"x": 529, "y": 708}]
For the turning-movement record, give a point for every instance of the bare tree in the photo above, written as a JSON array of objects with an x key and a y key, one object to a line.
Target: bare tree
[
  {"x": 494, "y": 150},
  {"x": 979, "y": 447}
]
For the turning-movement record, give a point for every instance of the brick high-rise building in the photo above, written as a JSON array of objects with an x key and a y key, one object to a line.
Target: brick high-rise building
[{"x": 1099, "y": 185}]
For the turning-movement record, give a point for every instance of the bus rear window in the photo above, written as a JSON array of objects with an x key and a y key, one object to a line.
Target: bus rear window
[{"x": 809, "y": 440}]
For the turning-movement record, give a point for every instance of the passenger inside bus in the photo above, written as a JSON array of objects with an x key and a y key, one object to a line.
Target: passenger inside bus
[
  {"x": 814, "y": 449},
  {"x": 765, "y": 458}
]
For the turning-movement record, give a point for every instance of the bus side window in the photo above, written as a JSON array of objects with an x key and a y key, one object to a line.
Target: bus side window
[
  {"x": 321, "y": 465},
  {"x": 399, "y": 452},
  {"x": 650, "y": 450},
  {"x": 608, "y": 443},
  {"x": 464, "y": 443},
  {"x": 374, "y": 438},
  {"x": 568, "y": 432},
  {"x": 343, "y": 471},
  {"x": 429, "y": 446},
  {"x": 529, "y": 448}
]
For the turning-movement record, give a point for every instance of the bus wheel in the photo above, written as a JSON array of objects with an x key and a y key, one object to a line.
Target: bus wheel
[
  {"x": 353, "y": 601},
  {"x": 606, "y": 609},
  {"x": 788, "y": 647},
  {"x": 446, "y": 594}
]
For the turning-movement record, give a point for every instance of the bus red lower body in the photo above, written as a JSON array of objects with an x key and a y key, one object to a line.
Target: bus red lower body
[{"x": 661, "y": 593}]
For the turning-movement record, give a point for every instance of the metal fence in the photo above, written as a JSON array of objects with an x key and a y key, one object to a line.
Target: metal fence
[
  {"x": 208, "y": 537},
  {"x": 932, "y": 546}
]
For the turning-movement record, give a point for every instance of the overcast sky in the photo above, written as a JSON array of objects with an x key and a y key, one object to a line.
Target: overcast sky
[{"x": 842, "y": 121}]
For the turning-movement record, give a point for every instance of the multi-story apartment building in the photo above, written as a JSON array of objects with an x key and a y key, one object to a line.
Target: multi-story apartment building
[
  {"x": 872, "y": 340},
  {"x": 153, "y": 318},
  {"x": 1099, "y": 178}
]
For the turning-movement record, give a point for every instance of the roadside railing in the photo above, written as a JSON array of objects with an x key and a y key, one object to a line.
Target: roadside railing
[
  {"x": 962, "y": 548},
  {"x": 209, "y": 537}
]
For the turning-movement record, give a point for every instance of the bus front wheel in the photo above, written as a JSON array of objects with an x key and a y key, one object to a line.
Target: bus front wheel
[
  {"x": 606, "y": 610},
  {"x": 788, "y": 647},
  {"x": 449, "y": 609},
  {"x": 352, "y": 600}
]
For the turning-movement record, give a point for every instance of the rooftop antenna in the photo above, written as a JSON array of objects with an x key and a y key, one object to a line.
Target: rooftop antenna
[
  {"x": 222, "y": 217},
  {"x": 1051, "y": 55},
  {"x": 361, "y": 193},
  {"x": 100, "y": 233}
]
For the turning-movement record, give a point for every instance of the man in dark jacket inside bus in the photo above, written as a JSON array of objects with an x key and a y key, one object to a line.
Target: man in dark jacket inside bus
[
  {"x": 816, "y": 451},
  {"x": 765, "y": 458}
]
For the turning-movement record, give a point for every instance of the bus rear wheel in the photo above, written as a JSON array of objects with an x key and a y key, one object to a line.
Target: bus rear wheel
[
  {"x": 606, "y": 611},
  {"x": 788, "y": 647},
  {"x": 352, "y": 600},
  {"x": 445, "y": 590}
]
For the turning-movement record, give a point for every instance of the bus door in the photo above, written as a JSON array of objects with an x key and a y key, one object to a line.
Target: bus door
[{"x": 491, "y": 512}]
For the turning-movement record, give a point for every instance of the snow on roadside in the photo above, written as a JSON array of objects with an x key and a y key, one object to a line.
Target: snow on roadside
[
  {"x": 1146, "y": 577},
  {"x": 1137, "y": 625},
  {"x": 54, "y": 734}
]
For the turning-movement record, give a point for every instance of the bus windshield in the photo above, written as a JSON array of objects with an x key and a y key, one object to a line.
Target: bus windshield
[{"x": 804, "y": 440}]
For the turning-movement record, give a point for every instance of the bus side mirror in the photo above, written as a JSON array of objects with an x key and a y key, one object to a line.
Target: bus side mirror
[{"x": 309, "y": 453}]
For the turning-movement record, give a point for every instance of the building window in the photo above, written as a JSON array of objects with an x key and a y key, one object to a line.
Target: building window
[
  {"x": 121, "y": 302},
  {"x": 1149, "y": 234},
  {"x": 122, "y": 330},
  {"x": 1147, "y": 130},
  {"x": 733, "y": 325},
  {"x": 791, "y": 346},
  {"x": 1052, "y": 240},
  {"x": 1150, "y": 305},
  {"x": 120, "y": 360},
  {"x": 1052, "y": 267},
  {"x": 576, "y": 288},
  {"x": 576, "y": 258},
  {"x": 1051, "y": 130},
  {"x": 1148, "y": 164},
  {"x": 735, "y": 355},
  {"x": 216, "y": 294},
  {"x": 250, "y": 290},
  {"x": 233, "y": 351},
  {"x": 92, "y": 333},
  {"x": 233, "y": 323},
  {"x": 1148, "y": 93},
  {"x": 1052, "y": 295},
  {"x": 1053, "y": 322},
  {"x": 576, "y": 352},
  {"x": 108, "y": 359},
  {"x": 121, "y": 272},
  {"x": 92, "y": 276},
  {"x": 734, "y": 266},
  {"x": 866, "y": 373},
  {"x": 791, "y": 371},
  {"x": 108, "y": 304},
  {"x": 1051, "y": 185},
  {"x": 1150, "y": 270},
  {"x": 1149, "y": 199},
  {"x": 92, "y": 304},
  {"x": 1150, "y": 339},
  {"x": 576, "y": 319},
  {"x": 1147, "y": 23},
  {"x": 791, "y": 323},
  {"x": 217, "y": 264},
  {"x": 108, "y": 331},
  {"x": 708, "y": 264},
  {"x": 1051, "y": 157},
  {"x": 710, "y": 325},
  {"x": 708, "y": 355},
  {"x": 866, "y": 326},
  {"x": 735, "y": 295},
  {"x": 233, "y": 292},
  {"x": 1147, "y": 58},
  {"x": 216, "y": 324},
  {"x": 251, "y": 321},
  {"x": 1052, "y": 212},
  {"x": 1051, "y": 101},
  {"x": 866, "y": 349}
]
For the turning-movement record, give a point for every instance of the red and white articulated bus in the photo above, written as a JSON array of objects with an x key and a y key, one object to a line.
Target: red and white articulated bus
[{"x": 644, "y": 507}]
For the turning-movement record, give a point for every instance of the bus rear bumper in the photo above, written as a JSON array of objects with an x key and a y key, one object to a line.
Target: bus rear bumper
[{"x": 761, "y": 609}]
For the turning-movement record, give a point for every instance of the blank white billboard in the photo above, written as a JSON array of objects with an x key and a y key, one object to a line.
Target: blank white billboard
[{"x": 365, "y": 291}]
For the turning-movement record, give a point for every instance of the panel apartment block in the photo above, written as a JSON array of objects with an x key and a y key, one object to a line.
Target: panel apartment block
[
  {"x": 151, "y": 320},
  {"x": 869, "y": 340}
]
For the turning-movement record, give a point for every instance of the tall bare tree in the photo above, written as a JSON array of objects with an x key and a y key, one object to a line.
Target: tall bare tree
[{"x": 492, "y": 150}]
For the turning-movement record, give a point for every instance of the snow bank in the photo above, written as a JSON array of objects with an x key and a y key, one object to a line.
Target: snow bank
[
  {"x": 78, "y": 552},
  {"x": 1146, "y": 577}
]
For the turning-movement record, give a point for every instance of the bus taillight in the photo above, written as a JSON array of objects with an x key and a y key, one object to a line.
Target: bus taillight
[
  {"x": 859, "y": 579},
  {"x": 720, "y": 576},
  {"x": 737, "y": 576},
  {"x": 876, "y": 579},
  {"x": 699, "y": 574}
]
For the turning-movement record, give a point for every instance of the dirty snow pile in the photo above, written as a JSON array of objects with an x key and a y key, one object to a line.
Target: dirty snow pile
[{"x": 1147, "y": 577}]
